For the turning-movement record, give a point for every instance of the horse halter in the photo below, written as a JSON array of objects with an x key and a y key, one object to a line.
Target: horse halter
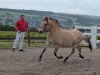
[
  {"x": 45, "y": 19},
  {"x": 45, "y": 26}
]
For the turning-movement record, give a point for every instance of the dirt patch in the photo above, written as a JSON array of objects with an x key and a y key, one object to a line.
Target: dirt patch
[{"x": 26, "y": 63}]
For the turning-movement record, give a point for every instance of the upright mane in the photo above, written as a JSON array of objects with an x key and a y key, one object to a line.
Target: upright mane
[
  {"x": 52, "y": 19},
  {"x": 55, "y": 20}
]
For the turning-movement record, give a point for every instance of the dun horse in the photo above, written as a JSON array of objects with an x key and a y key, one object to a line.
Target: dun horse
[{"x": 59, "y": 37}]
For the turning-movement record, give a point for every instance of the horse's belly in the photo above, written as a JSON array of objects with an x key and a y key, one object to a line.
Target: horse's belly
[{"x": 66, "y": 45}]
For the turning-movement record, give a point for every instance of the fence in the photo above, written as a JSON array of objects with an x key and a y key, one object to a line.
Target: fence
[
  {"x": 30, "y": 38},
  {"x": 93, "y": 31}
]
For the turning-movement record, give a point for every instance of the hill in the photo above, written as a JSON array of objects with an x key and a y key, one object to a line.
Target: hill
[{"x": 9, "y": 16}]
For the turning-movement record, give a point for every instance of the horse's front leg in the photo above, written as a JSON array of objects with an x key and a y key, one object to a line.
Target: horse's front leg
[
  {"x": 55, "y": 53},
  {"x": 40, "y": 57}
]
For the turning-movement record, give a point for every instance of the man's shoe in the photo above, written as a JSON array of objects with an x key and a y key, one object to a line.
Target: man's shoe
[
  {"x": 13, "y": 49},
  {"x": 21, "y": 50}
]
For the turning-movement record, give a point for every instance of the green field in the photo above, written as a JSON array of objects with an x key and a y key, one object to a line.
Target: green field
[
  {"x": 13, "y": 34},
  {"x": 5, "y": 44}
]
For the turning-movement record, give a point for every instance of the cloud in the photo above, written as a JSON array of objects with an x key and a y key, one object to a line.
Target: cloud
[{"x": 65, "y": 6}]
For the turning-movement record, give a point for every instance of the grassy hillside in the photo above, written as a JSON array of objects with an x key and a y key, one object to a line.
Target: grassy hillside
[{"x": 9, "y": 16}]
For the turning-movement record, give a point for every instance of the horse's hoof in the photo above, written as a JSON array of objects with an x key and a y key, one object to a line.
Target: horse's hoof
[
  {"x": 64, "y": 61},
  {"x": 39, "y": 59},
  {"x": 81, "y": 56},
  {"x": 60, "y": 57}
]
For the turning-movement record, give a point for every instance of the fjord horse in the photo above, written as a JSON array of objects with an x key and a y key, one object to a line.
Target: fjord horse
[{"x": 59, "y": 37}]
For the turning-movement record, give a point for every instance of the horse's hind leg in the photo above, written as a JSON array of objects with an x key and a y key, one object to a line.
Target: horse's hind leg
[
  {"x": 79, "y": 49},
  {"x": 55, "y": 53},
  {"x": 40, "y": 57},
  {"x": 73, "y": 50}
]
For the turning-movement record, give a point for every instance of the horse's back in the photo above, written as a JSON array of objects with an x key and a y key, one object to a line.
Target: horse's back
[
  {"x": 72, "y": 35},
  {"x": 79, "y": 36},
  {"x": 73, "y": 32}
]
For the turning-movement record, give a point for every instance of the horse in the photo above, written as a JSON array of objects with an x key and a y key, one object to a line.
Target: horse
[{"x": 59, "y": 38}]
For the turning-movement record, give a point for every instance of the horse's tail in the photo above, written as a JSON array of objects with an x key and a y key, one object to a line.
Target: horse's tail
[{"x": 87, "y": 39}]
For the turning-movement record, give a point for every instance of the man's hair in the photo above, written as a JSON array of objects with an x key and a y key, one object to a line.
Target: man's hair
[{"x": 21, "y": 15}]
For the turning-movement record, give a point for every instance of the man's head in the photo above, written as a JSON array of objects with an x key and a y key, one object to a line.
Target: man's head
[{"x": 22, "y": 17}]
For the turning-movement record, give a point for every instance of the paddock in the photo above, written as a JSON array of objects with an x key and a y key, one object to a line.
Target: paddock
[{"x": 26, "y": 63}]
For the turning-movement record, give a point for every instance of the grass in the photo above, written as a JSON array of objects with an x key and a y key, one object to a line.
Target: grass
[
  {"x": 7, "y": 33},
  {"x": 13, "y": 34},
  {"x": 7, "y": 44}
]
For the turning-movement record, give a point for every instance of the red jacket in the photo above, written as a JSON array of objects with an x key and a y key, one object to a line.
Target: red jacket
[{"x": 21, "y": 25}]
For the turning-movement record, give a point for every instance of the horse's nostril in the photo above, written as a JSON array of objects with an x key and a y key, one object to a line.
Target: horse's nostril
[{"x": 40, "y": 32}]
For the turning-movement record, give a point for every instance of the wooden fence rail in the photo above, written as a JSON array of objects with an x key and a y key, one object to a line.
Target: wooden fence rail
[
  {"x": 26, "y": 38},
  {"x": 12, "y": 38}
]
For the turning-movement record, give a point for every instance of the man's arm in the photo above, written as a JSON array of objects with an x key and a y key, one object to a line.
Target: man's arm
[
  {"x": 26, "y": 26},
  {"x": 16, "y": 26},
  {"x": 27, "y": 29}
]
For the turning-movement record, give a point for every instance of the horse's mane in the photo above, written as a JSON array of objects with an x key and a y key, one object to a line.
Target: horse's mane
[{"x": 54, "y": 20}]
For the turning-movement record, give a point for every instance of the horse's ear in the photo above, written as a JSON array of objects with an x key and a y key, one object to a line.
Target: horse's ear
[{"x": 45, "y": 18}]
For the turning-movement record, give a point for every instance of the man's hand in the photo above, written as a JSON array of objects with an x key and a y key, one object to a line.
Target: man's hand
[{"x": 18, "y": 31}]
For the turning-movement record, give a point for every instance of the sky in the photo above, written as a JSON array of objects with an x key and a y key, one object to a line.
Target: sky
[{"x": 84, "y": 7}]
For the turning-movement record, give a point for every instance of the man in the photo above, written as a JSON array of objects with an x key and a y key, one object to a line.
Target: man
[{"x": 21, "y": 27}]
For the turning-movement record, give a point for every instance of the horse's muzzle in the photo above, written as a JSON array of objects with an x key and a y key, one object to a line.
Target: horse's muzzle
[{"x": 40, "y": 32}]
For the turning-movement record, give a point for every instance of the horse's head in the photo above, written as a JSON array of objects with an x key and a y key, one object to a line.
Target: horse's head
[
  {"x": 44, "y": 25},
  {"x": 47, "y": 23}
]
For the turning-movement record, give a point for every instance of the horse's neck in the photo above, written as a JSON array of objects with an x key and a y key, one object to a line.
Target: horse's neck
[{"x": 54, "y": 30}]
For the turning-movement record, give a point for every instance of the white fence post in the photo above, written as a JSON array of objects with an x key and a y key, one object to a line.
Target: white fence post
[{"x": 93, "y": 36}]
